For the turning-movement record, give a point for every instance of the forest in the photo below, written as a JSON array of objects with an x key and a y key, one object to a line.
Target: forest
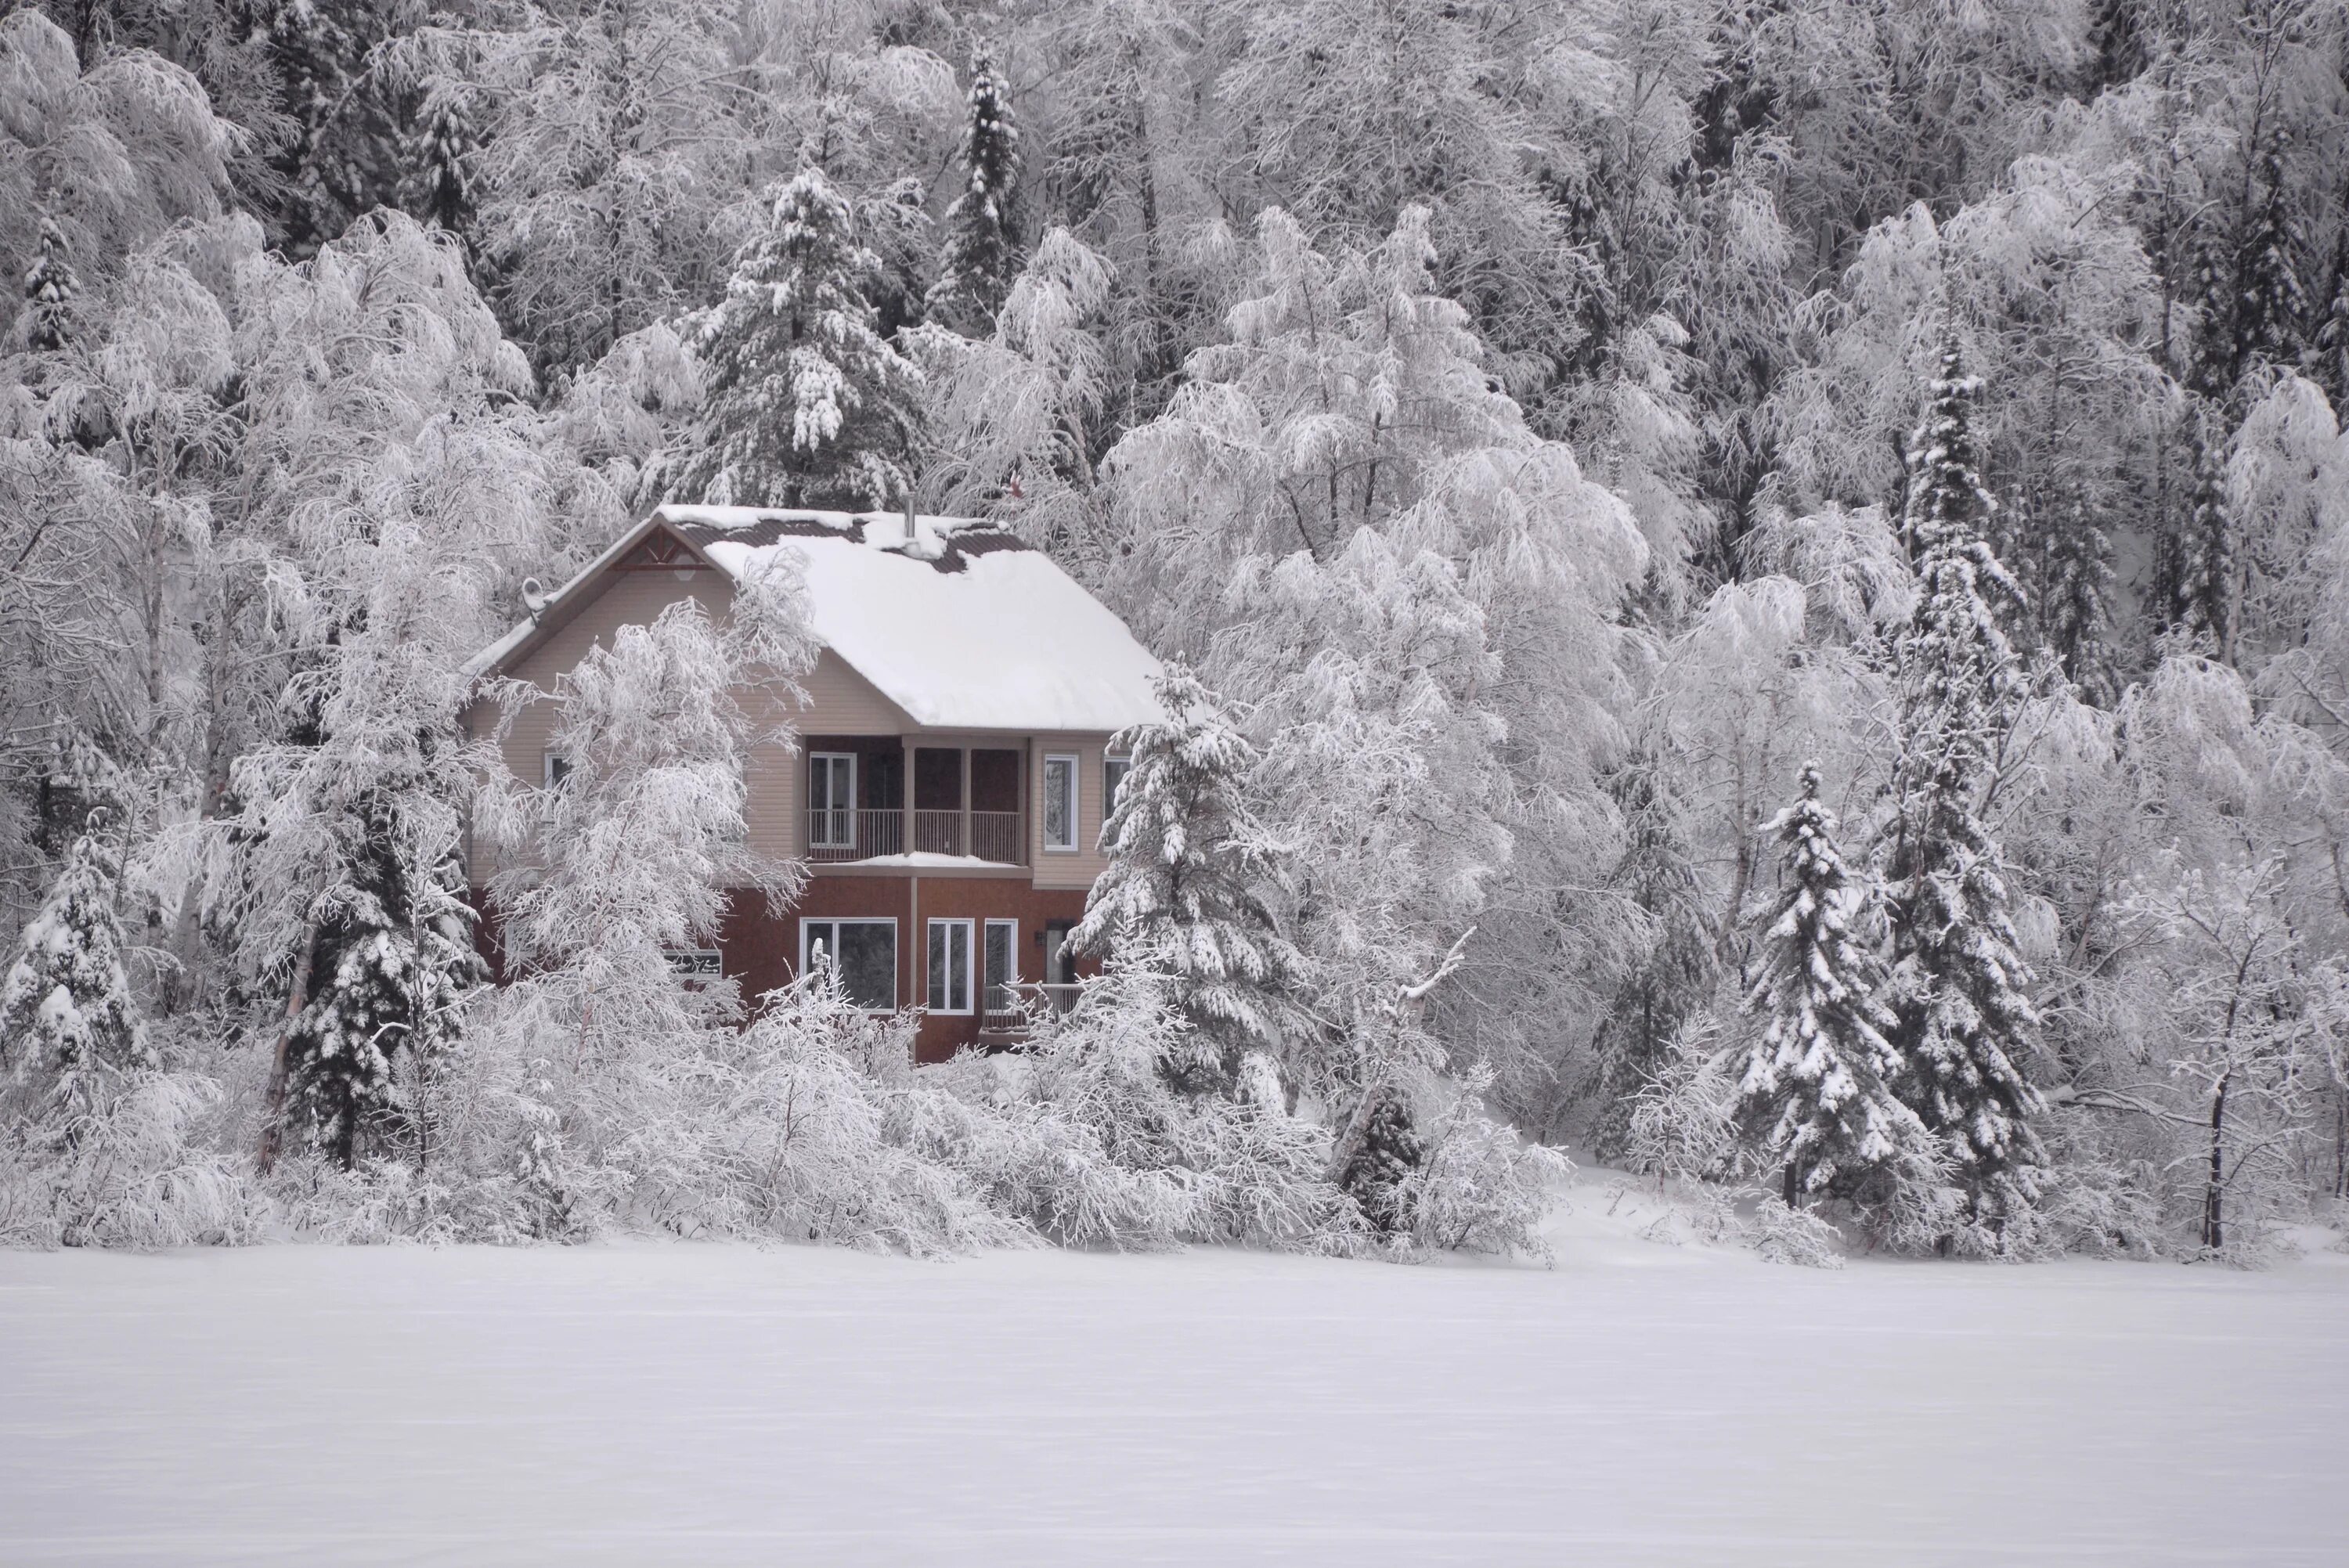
[{"x": 1755, "y": 589}]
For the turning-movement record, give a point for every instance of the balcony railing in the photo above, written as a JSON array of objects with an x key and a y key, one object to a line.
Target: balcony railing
[{"x": 837, "y": 836}]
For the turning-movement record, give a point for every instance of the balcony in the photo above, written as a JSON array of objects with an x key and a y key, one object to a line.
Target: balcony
[{"x": 845, "y": 837}]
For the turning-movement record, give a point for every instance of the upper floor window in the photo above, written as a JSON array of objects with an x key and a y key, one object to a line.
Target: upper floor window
[
  {"x": 832, "y": 801},
  {"x": 1114, "y": 772},
  {"x": 1059, "y": 802},
  {"x": 558, "y": 768}
]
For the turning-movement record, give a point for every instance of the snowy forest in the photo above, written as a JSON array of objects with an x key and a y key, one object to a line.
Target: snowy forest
[{"x": 1755, "y": 590}]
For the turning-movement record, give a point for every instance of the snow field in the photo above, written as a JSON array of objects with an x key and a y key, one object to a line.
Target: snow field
[{"x": 720, "y": 1404}]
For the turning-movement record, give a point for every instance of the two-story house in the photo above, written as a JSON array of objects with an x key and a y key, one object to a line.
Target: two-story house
[{"x": 952, "y": 769}]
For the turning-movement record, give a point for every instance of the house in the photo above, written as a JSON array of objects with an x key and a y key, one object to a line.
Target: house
[{"x": 953, "y": 766}]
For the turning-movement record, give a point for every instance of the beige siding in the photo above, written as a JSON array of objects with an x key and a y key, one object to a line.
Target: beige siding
[
  {"x": 841, "y": 702},
  {"x": 1060, "y": 868}
]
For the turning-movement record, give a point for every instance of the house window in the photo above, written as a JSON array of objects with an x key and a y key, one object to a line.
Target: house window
[
  {"x": 950, "y": 966},
  {"x": 1114, "y": 772},
  {"x": 1059, "y": 802},
  {"x": 690, "y": 963},
  {"x": 557, "y": 767},
  {"x": 1001, "y": 971},
  {"x": 865, "y": 952},
  {"x": 832, "y": 801}
]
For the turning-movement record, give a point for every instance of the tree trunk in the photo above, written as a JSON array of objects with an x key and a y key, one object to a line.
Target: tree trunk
[
  {"x": 273, "y": 1109},
  {"x": 2214, "y": 1225}
]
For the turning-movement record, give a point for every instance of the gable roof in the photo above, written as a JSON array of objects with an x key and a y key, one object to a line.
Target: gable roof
[{"x": 963, "y": 626}]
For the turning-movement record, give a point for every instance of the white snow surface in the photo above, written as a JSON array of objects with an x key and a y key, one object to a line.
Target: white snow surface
[
  {"x": 1640, "y": 1404},
  {"x": 1009, "y": 643}
]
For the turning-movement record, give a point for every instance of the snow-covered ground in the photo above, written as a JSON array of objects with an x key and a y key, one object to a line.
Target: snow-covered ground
[{"x": 1640, "y": 1404}]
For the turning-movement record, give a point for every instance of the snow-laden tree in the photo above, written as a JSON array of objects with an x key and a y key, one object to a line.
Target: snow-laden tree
[
  {"x": 1381, "y": 773},
  {"x": 1191, "y": 888},
  {"x": 1961, "y": 988},
  {"x": 1672, "y": 976},
  {"x": 2243, "y": 1012},
  {"x": 641, "y": 847},
  {"x": 68, "y": 1020},
  {"x": 808, "y": 404},
  {"x": 50, "y": 287},
  {"x": 1013, "y": 421},
  {"x": 980, "y": 252},
  {"x": 1816, "y": 1097},
  {"x": 108, "y": 153}
]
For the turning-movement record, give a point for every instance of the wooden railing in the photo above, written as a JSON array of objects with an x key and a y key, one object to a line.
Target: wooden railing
[{"x": 837, "y": 836}]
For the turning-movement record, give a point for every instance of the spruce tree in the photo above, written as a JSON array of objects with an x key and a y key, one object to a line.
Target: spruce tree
[
  {"x": 2269, "y": 304},
  {"x": 1816, "y": 1097},
  {"x": 1186, "y": 890},
  {"x": 50, "y": 288},
  {"x": 982, "y": 254},
  {"x": 2206, "y": 546},
  {"x": 1959, "y": 984},
  {"x": 808, "y": 404},
  {"x": 1673, "y": 977},
  {"x": 393, "y": 957},
  {"x": 2076, "y": 606},
  {"x": 67, "y": 1016},
  {"x": 2330, "y": 340},
  {"x": 437, "y": 189}
]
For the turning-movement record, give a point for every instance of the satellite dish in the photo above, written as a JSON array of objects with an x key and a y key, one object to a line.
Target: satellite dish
[{"x": 533, "y": 597}]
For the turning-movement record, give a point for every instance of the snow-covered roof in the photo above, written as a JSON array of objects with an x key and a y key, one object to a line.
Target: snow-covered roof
[{"x": 963, "y": 626}]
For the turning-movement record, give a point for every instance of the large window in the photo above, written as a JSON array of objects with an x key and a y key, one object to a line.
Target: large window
[
  {"x": 1059, "y": 802},
  {"x": 1000, "y": 971},
  {"x": 950, "y": 966},
  {"x": 864, "y": 951},
  {"x": 832, "y": 801}
]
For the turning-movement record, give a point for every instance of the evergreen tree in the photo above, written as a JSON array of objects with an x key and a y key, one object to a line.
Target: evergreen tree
[
  {"x": 982, "y": 254},
  {"x": 342, "y": 159},
  {"x": 66, "y": 1009},
  {"x": 808, "y": 404},
  {"x": 1186, "y": 887},
  {"x": 1383, "y": 1159},
  {"x": 2207, "y": 546},
  {"x": 2269, "y": 304},
  {"x": 2076, "y": 603},
  {"x": 2117, "y": 35},
  {"x": 437, "y": 188},
  {"x": 1675, "y": 976},
  {"x": 2330, "y": 340},
  {"x": 1959, "y": 984},
  {"x": 394, "y": 955},
  {"x": 1817, "y": 1093},
  {"x": 50, "y": 288}
]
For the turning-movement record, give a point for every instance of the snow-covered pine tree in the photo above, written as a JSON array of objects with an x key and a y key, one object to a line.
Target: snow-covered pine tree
[
  {"x": 1958, "y": 983},
  {"x": 980, "y": 255},
  {"x": 50, "y": 288},
  {"x": 2330, "y": 340},
  {"x": 1675, "y": 975},
  {"x": 65, "y": 1010},
  {"x": 1817, "y": 1094},
  {"x": 394, "y": 955},
  {"x": 2207, "y": 546},
  {"x": 341, "y": 159},
  {"x": 808, "y": 404},
  {"x": 1187, "y": 884},
  {"x": 437, "y": 188},
  {"x": 2076, "y": 606},
  {"x": 2271, "y": 305}
]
